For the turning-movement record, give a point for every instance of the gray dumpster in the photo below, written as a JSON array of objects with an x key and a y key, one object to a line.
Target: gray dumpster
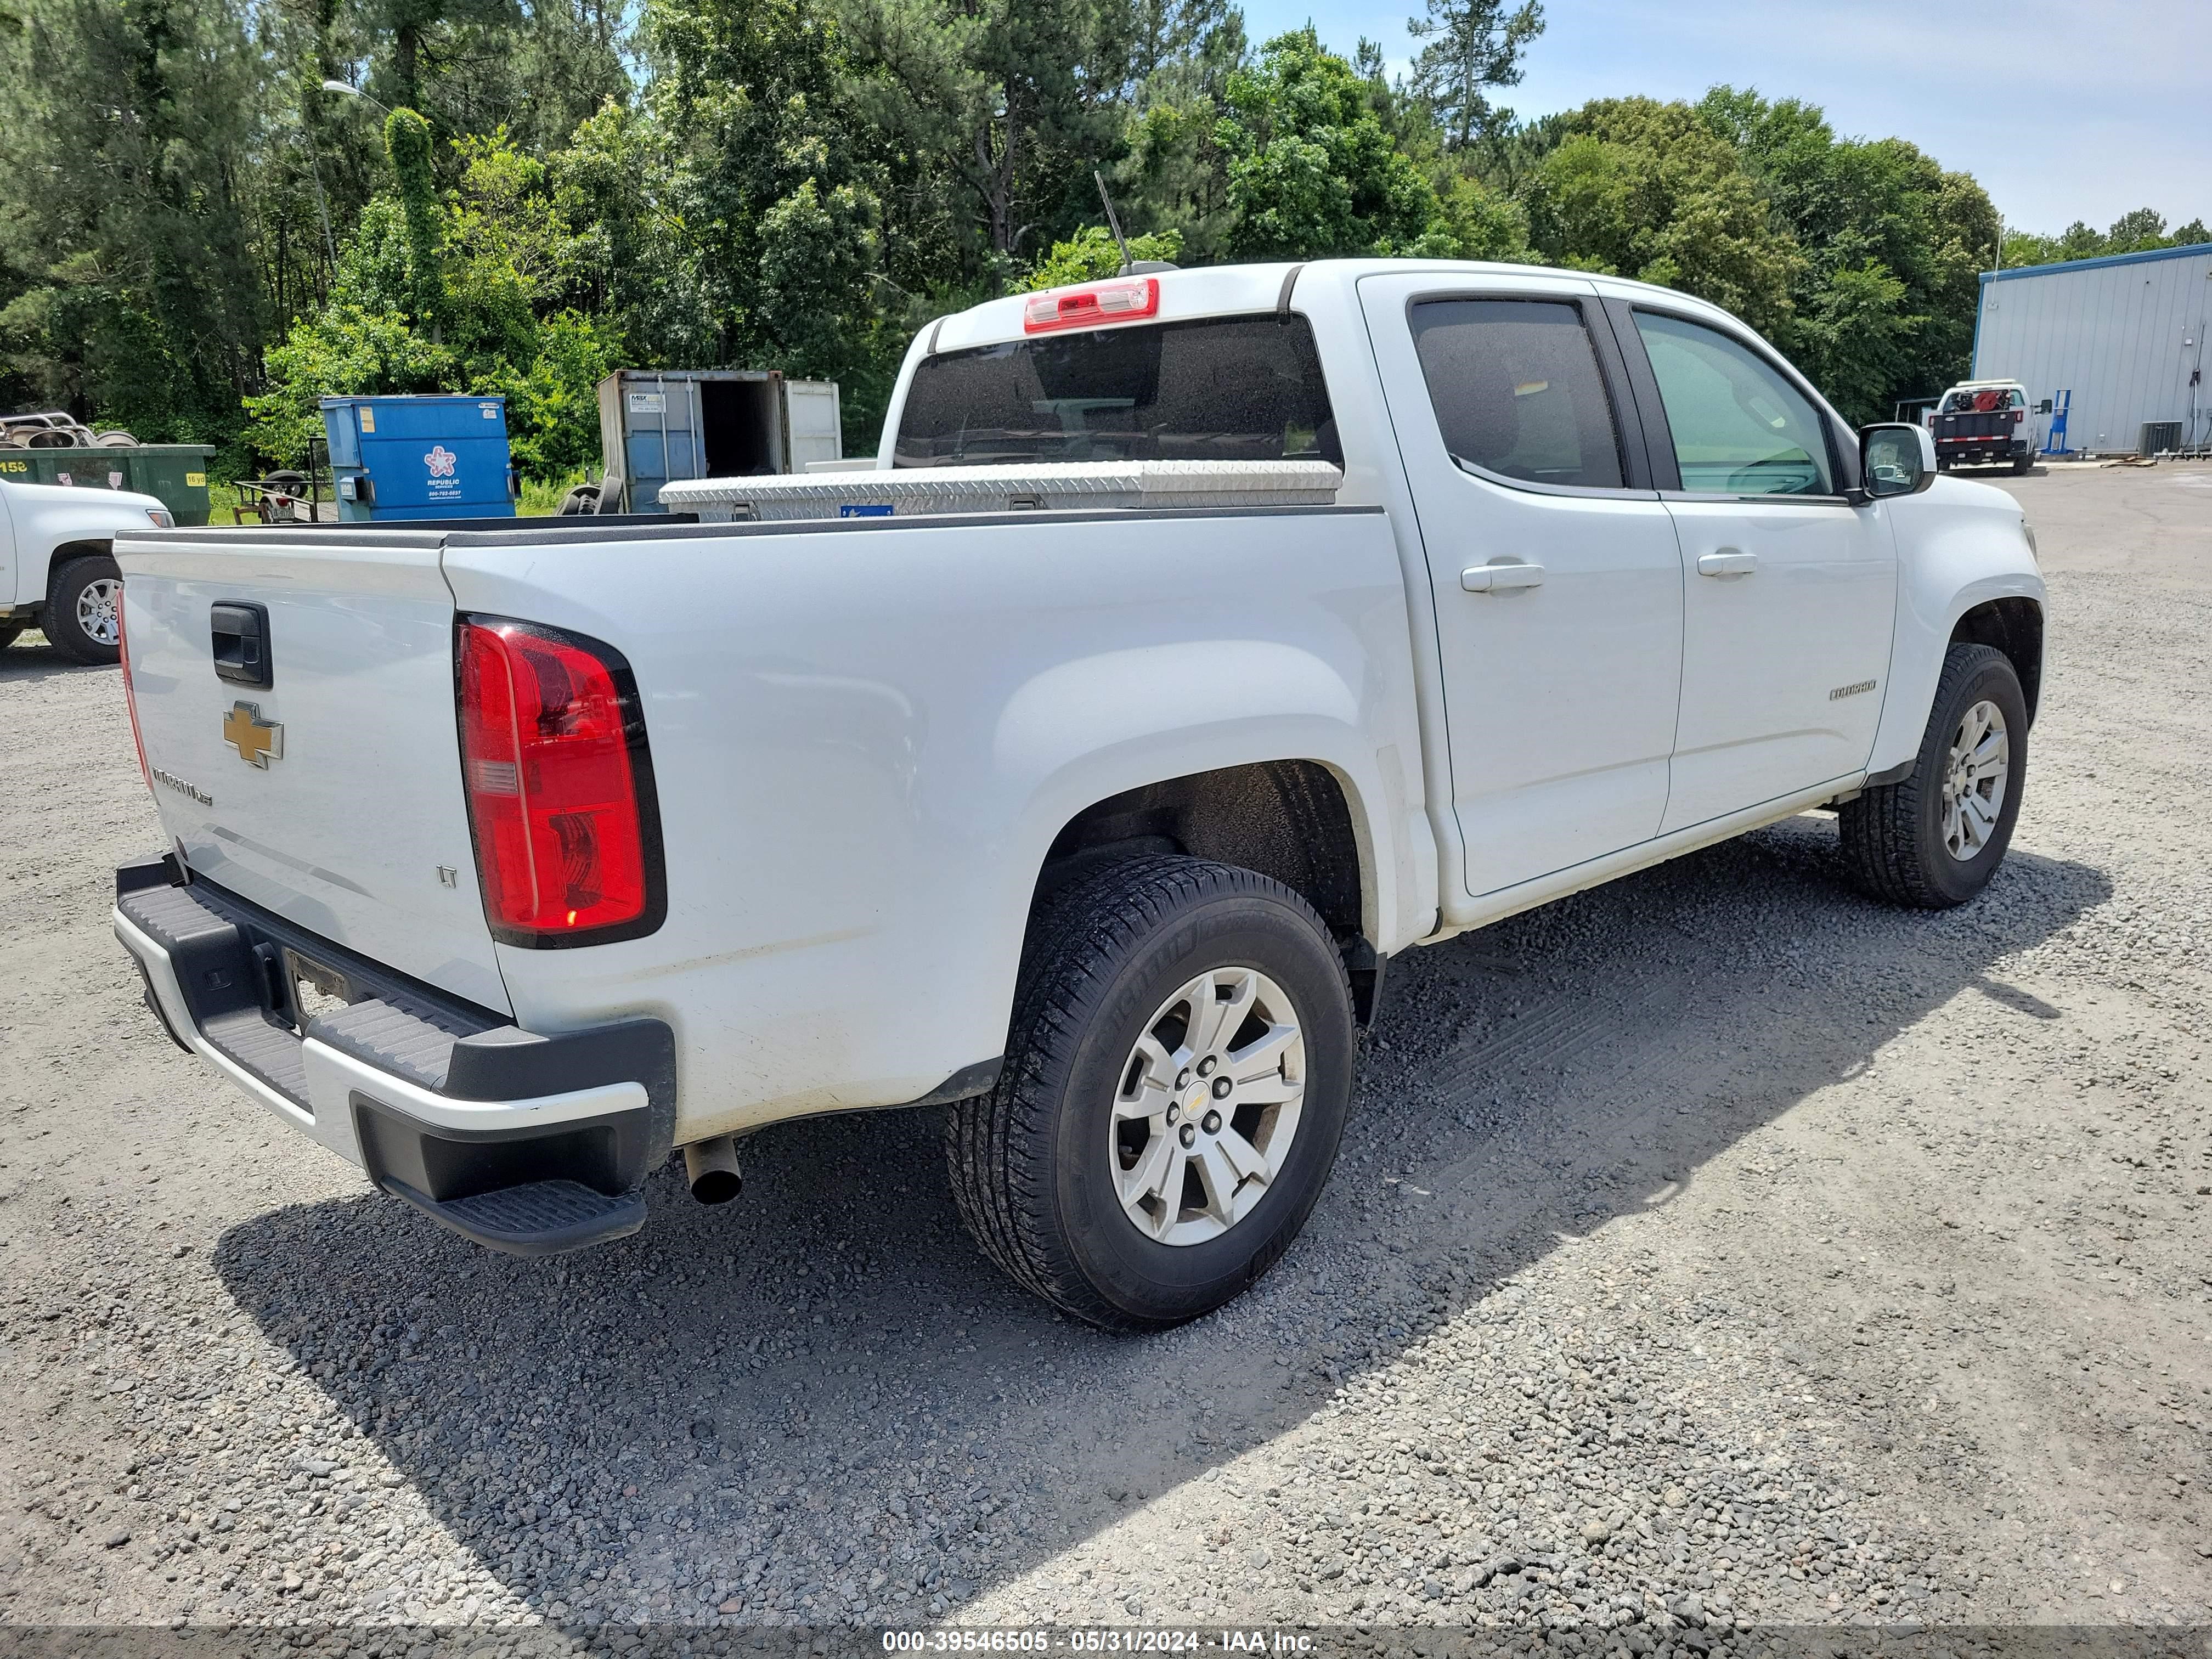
[{"x": 656, "y": 425}]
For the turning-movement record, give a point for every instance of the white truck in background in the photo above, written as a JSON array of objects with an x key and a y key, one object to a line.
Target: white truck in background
[
  {"x": 1203, "y": 640},
  {"x": 1983, "y": 423},
  {"x": 57, "y": 568}
]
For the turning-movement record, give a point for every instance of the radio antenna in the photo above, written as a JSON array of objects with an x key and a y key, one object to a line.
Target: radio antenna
[{"x": 1114, "y": 224}]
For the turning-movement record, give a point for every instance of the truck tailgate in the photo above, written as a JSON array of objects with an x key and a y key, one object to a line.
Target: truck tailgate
[{"x": 332, "y": 794}]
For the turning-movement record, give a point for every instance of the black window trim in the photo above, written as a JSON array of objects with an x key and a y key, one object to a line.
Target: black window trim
[
  {"x": 1614, "y": 379},
  {"x": 1661, "y": 435}
]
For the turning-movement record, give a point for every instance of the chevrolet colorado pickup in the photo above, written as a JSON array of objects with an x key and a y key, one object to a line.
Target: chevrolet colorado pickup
[{"x": 1202, "y": 640}]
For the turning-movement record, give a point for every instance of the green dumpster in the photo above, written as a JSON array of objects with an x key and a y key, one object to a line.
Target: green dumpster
[{"x": 176, "y": 474}]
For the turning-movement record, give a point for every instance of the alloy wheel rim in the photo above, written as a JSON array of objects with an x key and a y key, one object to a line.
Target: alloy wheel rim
[
  {"x": 1974, "y": 780},
  {"x": 1208, "y": 1106},
  {"x": 98, "y": 606}
]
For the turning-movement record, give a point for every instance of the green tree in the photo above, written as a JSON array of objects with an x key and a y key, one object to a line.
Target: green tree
[
  {"x": 1011, "y": 102},
  {"x": 2136, "y": 231},
  {"x": 768, "y": 179},
  {"x": 1091, "y": 255},
  {"x": 1650, "y": 190},
  {"x": 1311, "y": 171},
  {"x": 1173, "y": 178},
  {"x": 407, "y": 142},
  {"x": 1471, "y": 46},
  {"x": 509, "y": 267},
  {"x": 1884, "y": 295},
  {"x": 131, "y": 138}
]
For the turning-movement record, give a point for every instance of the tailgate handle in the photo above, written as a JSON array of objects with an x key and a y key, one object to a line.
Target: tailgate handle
[{"x": 241, "y": 643}]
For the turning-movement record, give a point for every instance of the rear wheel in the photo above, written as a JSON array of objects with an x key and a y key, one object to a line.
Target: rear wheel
[
  {"x": 2022, "y": 465},
  {"x": 83, "y": 616},
  {"x": 1177, "y": 1078},
  {"x": 1935, "y": 840},
  {"x": 9, "y": 634}
]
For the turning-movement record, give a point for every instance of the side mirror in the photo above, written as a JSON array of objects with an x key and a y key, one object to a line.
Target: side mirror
[{"x": 1896, "y": 458}]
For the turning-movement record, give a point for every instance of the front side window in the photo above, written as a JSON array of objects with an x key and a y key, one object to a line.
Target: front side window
[
  {"x": 1516, "y": 390},
  {"x": 1212, "y": 389},
  {"x": 1740, "y": 427}
]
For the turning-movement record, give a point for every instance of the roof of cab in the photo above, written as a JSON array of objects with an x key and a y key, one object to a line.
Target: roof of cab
[{"x": 1230, "y": 290}]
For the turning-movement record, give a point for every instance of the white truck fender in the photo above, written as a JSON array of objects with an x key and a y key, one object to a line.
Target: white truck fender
[
  {"x": 46, "y": 517},
  {"x": 1959, "y": 545},
  {"x": 1095, "y": 727}
]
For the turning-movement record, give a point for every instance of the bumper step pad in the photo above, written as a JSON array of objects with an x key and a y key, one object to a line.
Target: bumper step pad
[{"x": 541, "y": 1218}]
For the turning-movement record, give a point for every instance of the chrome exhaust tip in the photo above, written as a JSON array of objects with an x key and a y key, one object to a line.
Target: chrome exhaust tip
[{"x": 712, "y": 1169}]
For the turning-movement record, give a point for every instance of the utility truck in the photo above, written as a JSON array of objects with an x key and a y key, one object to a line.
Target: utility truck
[
  {"x": 1983, "y": 423},
  {"x": 1201, "y": 640}
]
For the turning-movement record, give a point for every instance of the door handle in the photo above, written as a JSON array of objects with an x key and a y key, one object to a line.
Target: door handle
[
  {"x": 1498, "y": 578},
  {"x": 1727, "y": 564}
]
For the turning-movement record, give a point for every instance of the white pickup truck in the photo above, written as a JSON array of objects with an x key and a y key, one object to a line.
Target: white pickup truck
[
  {"x": 57, "y": 561},
  {"x": 506, "y": 859}
]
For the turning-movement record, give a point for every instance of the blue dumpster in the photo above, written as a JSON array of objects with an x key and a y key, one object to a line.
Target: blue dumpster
[{"x": 430, "y": 457}]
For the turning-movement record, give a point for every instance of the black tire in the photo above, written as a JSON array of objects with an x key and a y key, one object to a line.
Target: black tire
[
  {"x": 59, "y": 618},
  {"x": 1031, "y": 1160},
  {"x": 2022, "y": 467},
  {"x": 1894, "y": 836},
  {"x": 10, "y": 632}
]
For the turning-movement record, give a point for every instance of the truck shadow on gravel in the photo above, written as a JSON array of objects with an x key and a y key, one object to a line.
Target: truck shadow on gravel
[
  {"x": 29, "y": 662},
  {"x": 766, "y": 1406}
]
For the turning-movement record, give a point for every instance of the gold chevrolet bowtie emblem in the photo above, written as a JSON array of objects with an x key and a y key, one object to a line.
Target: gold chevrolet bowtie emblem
[{"x": 258, "y": 741}]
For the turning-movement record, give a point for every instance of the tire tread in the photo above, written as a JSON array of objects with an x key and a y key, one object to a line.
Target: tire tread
[
  {"x": 997, "y": 1144},
  {"x": 1881, "y": 831}
]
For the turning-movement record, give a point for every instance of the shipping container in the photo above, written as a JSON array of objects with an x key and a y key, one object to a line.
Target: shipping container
[{"x": 657, "y": 425}]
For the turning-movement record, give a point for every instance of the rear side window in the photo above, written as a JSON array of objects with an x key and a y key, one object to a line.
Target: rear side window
[
  {"x": 1740, "y": 428},
  {"x": 1516, "y": 390},
  {"x": 1212, "y": 389}
]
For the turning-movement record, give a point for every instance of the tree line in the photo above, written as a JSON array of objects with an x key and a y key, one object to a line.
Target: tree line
[{"x": 199, "y": 238}]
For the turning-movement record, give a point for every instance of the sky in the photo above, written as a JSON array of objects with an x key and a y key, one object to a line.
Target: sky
[{"x": 2063, "y": 112}]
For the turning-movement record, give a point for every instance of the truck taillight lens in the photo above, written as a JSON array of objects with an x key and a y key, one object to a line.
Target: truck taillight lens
[
  {"x": 1117, "y": 302},
  {"x": 560, "y": 787}
]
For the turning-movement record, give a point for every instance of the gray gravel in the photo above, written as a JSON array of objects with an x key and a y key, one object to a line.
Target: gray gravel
[{"x": 1714, "y": 1249}]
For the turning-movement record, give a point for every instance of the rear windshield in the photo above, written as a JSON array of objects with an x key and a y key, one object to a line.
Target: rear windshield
[
  {"x": 1213, "y": 389},
  {"x": 1969, "y": 400}
]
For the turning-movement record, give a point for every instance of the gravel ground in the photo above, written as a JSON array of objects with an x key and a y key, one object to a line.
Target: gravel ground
[{"x": 1713, "y": 1250}]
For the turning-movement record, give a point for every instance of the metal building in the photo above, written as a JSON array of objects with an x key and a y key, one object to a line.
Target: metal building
[{"x": 2124, "y": 336}]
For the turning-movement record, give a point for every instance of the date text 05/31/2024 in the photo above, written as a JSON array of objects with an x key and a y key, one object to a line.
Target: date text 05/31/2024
[{"x": 955, "y": 1640}]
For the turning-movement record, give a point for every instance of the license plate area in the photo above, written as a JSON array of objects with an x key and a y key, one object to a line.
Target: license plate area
[{"x": 311, "y": 987}]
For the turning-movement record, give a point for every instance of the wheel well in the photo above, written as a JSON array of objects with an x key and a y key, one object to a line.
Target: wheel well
[
  {"x": 1287, "y": 819},
  {"x": 68, "y": 550},
  {"x": 2015, "y": 626}
]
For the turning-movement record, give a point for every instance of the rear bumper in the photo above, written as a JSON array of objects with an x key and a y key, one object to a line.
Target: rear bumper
[
  {"x": 524, "y": 1143},
  {"x": 2009, "y": 449}
]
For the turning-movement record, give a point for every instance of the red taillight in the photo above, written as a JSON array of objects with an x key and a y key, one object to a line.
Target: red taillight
[
  {"x": 1087, "y": 308},
  {"x": 130, "y": 694},
  {"x": 560, "y": 788}
]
